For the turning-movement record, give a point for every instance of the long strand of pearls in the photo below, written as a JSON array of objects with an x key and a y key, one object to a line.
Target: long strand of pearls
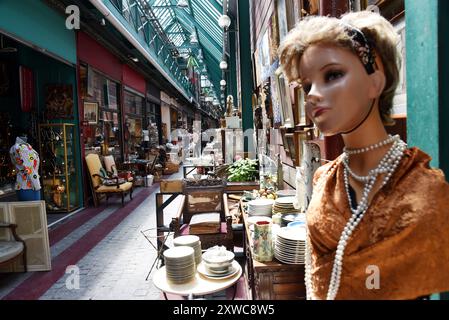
[{"x": 386, "y": 166}]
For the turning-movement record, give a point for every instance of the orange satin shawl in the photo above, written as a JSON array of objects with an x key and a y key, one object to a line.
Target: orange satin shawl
[{"x": 404, "y": 233}]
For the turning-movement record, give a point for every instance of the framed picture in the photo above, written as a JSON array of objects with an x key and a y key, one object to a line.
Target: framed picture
[
  {"x": 282, "y": 19},
  {"x": 91, "y": 112},
  {"x": 59, "y": 101},
  {"x": 283, "y": 93},
  {"x": 310, "y": 7},
  {"x": 400, "y": 98},
  {"x": 302, "y": 120},
  {"x": 300, "y": 138},
  {"x": 290, "y": 142}
]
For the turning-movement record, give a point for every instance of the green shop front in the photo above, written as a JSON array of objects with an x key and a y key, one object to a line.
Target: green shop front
[{"x": 38, "y": 96}]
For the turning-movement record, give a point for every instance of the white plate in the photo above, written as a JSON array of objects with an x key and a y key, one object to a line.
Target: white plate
[
  {"x": 286, "y": 193},
  {"x": 285, "y": 200},
  {"x": 293, "y": 234},
  {"x": 181, "y": 252},
  {"x": 189, "y": 240},
  {"x": 201, "y": 268},
  {"x": 261, "y": 203}
]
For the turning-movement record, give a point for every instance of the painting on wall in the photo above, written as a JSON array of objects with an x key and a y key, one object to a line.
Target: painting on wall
[
  {"x": 59, "y": 101},
  {"x": 91, "y": 112},
  {"x": 283, "y": 92}
]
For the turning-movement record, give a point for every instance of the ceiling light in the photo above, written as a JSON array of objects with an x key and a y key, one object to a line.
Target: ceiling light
[
  {"x": 223, "y": 65},
  {"x": 193, "y": 39},
  {"x": 223, "y": 82},
  {"x": 183, "y": 4},
  {"x": 224, "y": 21}
]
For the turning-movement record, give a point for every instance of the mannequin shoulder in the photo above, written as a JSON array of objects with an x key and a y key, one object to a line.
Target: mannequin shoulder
[{"x": 324, "y": 169}]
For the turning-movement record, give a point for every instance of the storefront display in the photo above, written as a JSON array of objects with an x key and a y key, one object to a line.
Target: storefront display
[
  {"x": 133, "y": 108},
  {"x": 101, "y": 113},
  {"x": 58, "y": 168},
  {"x": 37, "y": 86}
]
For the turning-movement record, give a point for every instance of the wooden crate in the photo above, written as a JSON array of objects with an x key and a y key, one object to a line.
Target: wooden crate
[
  {"x": 171, "y": 185},
  {"x": 171, "y": 168}
]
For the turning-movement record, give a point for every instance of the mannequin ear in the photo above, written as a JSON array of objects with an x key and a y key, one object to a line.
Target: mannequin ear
[{"x": 378, "y": 82}]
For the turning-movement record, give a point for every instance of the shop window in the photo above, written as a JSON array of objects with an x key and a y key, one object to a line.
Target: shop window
[
  {"x": 133, "y": 104},
  {"x": 153, "y": 122},
  {"x": 101, "y": 133},
  {"x": 173, "y": 119}
]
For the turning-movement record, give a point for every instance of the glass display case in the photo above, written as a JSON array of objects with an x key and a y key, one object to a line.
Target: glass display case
[{"x": 60, "y": 188}]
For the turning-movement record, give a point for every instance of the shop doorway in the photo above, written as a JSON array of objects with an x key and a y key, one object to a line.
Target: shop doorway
[{"x": 36, "y": 91}]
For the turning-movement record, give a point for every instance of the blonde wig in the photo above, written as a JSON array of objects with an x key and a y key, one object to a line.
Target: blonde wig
[{"x": 379, "y": 33}]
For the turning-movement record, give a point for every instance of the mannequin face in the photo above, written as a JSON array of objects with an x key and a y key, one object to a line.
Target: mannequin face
[{"x": 338, "y": 90}]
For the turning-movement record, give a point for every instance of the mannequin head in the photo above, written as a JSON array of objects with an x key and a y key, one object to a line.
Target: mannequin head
[
  {"x": 347, "y": 67},
  {"x": 22, "y": 135}
]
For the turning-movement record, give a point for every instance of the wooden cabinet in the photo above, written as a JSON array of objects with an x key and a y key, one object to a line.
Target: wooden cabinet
[{"x": 272, "y": 280}]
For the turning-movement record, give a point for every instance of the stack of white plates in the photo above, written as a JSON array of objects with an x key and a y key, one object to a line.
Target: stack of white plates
[
  {"x": 190, "y": 241},
  {"x": 180, "y": 264},
  {"x": 260, "y": 207},
  {"x": 285, "y": 193},
  {"x": 290, "y": 245},
  {"x": 284, "y": 205}
]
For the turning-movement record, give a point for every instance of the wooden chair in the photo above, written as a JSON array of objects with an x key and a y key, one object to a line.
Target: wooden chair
[
  {"x": 103, "y": 185},
  {"x": 12, "y": 249},
  {"x": 204, "y": 199},
  {"x": 113, "y": 172}
]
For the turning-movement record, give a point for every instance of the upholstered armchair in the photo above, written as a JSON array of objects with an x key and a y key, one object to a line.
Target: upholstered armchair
[{"x": 102, "y": 185}]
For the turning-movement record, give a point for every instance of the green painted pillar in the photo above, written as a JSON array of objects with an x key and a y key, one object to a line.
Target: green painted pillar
[
  {"x": 232, "y": 79},
  {"x": 428, "y": 81},
  {"x": 443, "y": 67},
  {"x": 427, "y": 78},
  {"x": 246, "y": 86}
]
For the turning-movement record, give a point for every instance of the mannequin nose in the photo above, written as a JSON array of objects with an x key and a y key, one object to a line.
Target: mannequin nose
[{"x": 314, "y": 96}]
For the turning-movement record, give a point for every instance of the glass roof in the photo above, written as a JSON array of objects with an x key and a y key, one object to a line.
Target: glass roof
[
  {"x": 199, "y": 18},
  {"x": 168, "y": 31}
]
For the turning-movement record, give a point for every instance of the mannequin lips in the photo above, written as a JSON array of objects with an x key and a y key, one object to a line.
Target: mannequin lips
[{"x": 316, "y": 112}]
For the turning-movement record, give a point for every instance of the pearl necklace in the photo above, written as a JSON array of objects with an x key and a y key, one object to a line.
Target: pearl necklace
[
  {"x": 387, "y": 165},
  {"x": 387, "y": 141},
  {"x": 380, "y": 169}
]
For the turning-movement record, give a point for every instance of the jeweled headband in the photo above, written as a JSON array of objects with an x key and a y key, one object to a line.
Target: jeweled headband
[{"x": 362, "y": 47}]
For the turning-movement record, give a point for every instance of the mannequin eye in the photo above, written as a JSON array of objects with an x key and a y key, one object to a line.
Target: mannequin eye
[
  {"x": 333, "y": 75},
  {"x": 306, "y": 88}
]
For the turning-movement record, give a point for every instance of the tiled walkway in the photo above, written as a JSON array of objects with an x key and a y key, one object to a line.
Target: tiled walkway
[{"x": 107, "y": 249}]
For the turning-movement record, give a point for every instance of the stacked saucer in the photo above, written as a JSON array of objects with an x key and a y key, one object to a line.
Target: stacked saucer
[
  {"x": 180, "y": 264},
  {"x": 284, "y": 205},
  {"x": 285, "y": 193},
  {"x": 190, "y": 241},
  {"x": 290, "y": 245},
  {"x": 260, "y": 207}
]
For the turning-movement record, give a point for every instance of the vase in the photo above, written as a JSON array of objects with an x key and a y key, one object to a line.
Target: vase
[{"x": 262, "y": 241}]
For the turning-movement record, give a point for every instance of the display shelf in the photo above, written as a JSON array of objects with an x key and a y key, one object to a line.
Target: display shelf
[{"x": 59, "y": 175}]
